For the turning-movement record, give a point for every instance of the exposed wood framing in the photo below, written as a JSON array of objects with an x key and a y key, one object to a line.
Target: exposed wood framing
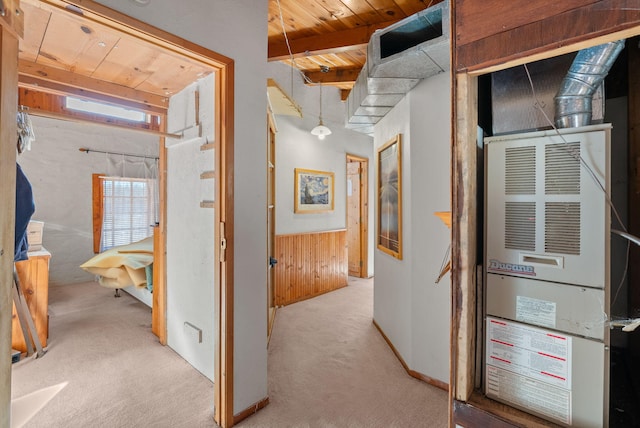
[
  {"x": 12, "y": 20},
  {"x": 463, "y": 227},
  {"x": 334, "y": 75},
  {"x": 61, "y": 116},
  {"x": 333, "y": 42},
  {"x": 46, "y": 102},
  {"x": 33, "y": 83},
  {"x": 61, "y": 81},
  {"x": 8, "y": 111},
  {"x": 573, "y": 22}
]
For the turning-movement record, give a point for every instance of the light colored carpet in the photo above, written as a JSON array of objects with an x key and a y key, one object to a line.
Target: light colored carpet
[
  {"x": 330, "y": 367},
  {"x": 118, "y": 373}
]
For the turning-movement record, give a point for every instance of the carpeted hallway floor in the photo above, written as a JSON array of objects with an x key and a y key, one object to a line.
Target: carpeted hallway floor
[{"x": 328, "y": 367}]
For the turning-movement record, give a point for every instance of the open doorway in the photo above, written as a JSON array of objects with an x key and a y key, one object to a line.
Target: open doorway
[
  {"x": 357, "y": 215},
  {"x": 94, "y": 14}
]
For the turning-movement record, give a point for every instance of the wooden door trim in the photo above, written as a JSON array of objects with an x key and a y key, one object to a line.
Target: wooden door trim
[
  {"x": 224, "y": 138},
  {"x": 364, "y": 212},
  {"x": 271, "y": 220}
]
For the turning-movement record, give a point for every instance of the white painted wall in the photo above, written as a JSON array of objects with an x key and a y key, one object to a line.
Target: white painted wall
[
  {"x": 237, "y": 29},
  {"x": 190, "y": 231},
  {"x": 411, "y": 309},
  {"x": 297, "y": 148},
  {"x": 60, "y": 176}
]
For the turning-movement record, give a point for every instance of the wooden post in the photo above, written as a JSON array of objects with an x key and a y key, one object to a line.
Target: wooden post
[
  {"x": 8, "y": 138},
  {"x": 463, "y": 243}
]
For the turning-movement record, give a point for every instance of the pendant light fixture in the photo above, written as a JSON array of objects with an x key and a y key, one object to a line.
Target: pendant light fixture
[{"x": 320, "y": 131}]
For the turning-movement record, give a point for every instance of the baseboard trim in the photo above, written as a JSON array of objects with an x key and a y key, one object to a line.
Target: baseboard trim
[
  {"x": 251, "y": 410},
  {"x": 431, "y": 381}
]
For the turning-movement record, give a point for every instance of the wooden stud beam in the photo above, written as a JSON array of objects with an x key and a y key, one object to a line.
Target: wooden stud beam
[
  {"x": 38, "y": 100},
  {"x": 338, "y": 41},
  {"x": 8, "y": 109},
  {"x": 557, "y": 33},
  {"x": 68, "y": 118},
  {"x": 45, "y": 77},
  {"x": 337, "y": 75},
  {"x": 12, "y": 18}
]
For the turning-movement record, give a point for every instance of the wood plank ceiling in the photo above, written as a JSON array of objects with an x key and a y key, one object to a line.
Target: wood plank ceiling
[
  {"x": 64, "y": 53},
  {"x": 328, "y": 38}
]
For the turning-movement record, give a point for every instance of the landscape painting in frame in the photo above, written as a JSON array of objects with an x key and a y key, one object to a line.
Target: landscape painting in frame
[
  {"x": 313, "y": 191},
  {"x": 390, "y": 198}
]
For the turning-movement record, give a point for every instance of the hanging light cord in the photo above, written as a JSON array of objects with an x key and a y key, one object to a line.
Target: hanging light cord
[
  {"x": 320, "y": 103},
  {"x": 291, "y": 58}
]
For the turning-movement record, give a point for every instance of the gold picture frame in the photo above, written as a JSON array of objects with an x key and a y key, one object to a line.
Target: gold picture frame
[
  {"x": 389, "y": 188},
  {"x": 313, "y": 191}
]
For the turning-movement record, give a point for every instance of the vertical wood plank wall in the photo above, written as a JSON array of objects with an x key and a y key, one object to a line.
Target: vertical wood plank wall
[{"x": 310, "y": 264}]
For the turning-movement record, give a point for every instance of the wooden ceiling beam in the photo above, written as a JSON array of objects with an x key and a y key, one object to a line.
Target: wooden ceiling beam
[
  {"x": 337, "y": 41},
  {"x": 33, "y": 83},
  {"x": 45, "y": 77},
  {"x": 336, "y": 75}
]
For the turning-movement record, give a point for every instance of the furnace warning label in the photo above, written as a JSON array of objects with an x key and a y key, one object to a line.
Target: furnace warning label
[
  {"x": 536, "y": 311},
  {"x": 529, "y": 367}
]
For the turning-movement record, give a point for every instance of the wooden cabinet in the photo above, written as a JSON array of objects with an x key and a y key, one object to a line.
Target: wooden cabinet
[{"x": 34, "y": 278}]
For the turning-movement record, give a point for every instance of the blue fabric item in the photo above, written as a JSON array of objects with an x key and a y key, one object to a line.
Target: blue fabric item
[{"x": 25, "y": 208}]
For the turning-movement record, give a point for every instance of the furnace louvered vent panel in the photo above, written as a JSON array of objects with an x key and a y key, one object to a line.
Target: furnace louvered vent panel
[
  {"x": 562, "y": 169},
  {"x": 520, "y": 226},
  {"x": 562, "y": 228},
  {"x": 520, "y": 170},
  {"x": 546, "y": 214}
]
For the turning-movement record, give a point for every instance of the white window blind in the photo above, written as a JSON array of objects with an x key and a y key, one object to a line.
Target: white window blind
[{"x": 129, "y": 207}]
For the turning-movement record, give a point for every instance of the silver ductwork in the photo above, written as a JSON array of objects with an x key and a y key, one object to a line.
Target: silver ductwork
[
  {"x": 398, "y": 57},
  {"x": 573, "y": 102}
]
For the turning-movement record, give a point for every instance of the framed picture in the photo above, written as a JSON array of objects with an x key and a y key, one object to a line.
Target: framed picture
[
  {"x": 313, "y": 191},
  {"x": 389, "y": 233}
]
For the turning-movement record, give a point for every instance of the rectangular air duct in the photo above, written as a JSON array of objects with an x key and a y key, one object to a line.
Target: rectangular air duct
[{"x": 398, "y": 57}]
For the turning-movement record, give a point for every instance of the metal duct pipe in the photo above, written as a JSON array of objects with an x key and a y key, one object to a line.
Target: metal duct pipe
[{"x": 589, "y": 68}]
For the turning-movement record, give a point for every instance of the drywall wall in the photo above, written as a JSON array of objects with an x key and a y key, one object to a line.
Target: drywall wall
[
  {"x": 297, "y": 148},
  {"x": 237, "y": 29},
  {"x": 393, "y": 284},
  {"x": 190, "y": 230},
  {"x": 411, "y": 309},
  {"x": 60, "y": 176}
]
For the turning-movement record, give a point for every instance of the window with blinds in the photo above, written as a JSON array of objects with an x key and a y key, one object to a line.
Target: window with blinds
[{"x": 128, "y": 210}]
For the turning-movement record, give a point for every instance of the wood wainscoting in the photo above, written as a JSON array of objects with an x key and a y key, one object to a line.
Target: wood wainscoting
[{"x": 310, "y": 264}]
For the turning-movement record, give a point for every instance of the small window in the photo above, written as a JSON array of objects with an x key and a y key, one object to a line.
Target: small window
[
  {"x": 105, "y": 109},
  {"x": 127, "y": 208}
]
